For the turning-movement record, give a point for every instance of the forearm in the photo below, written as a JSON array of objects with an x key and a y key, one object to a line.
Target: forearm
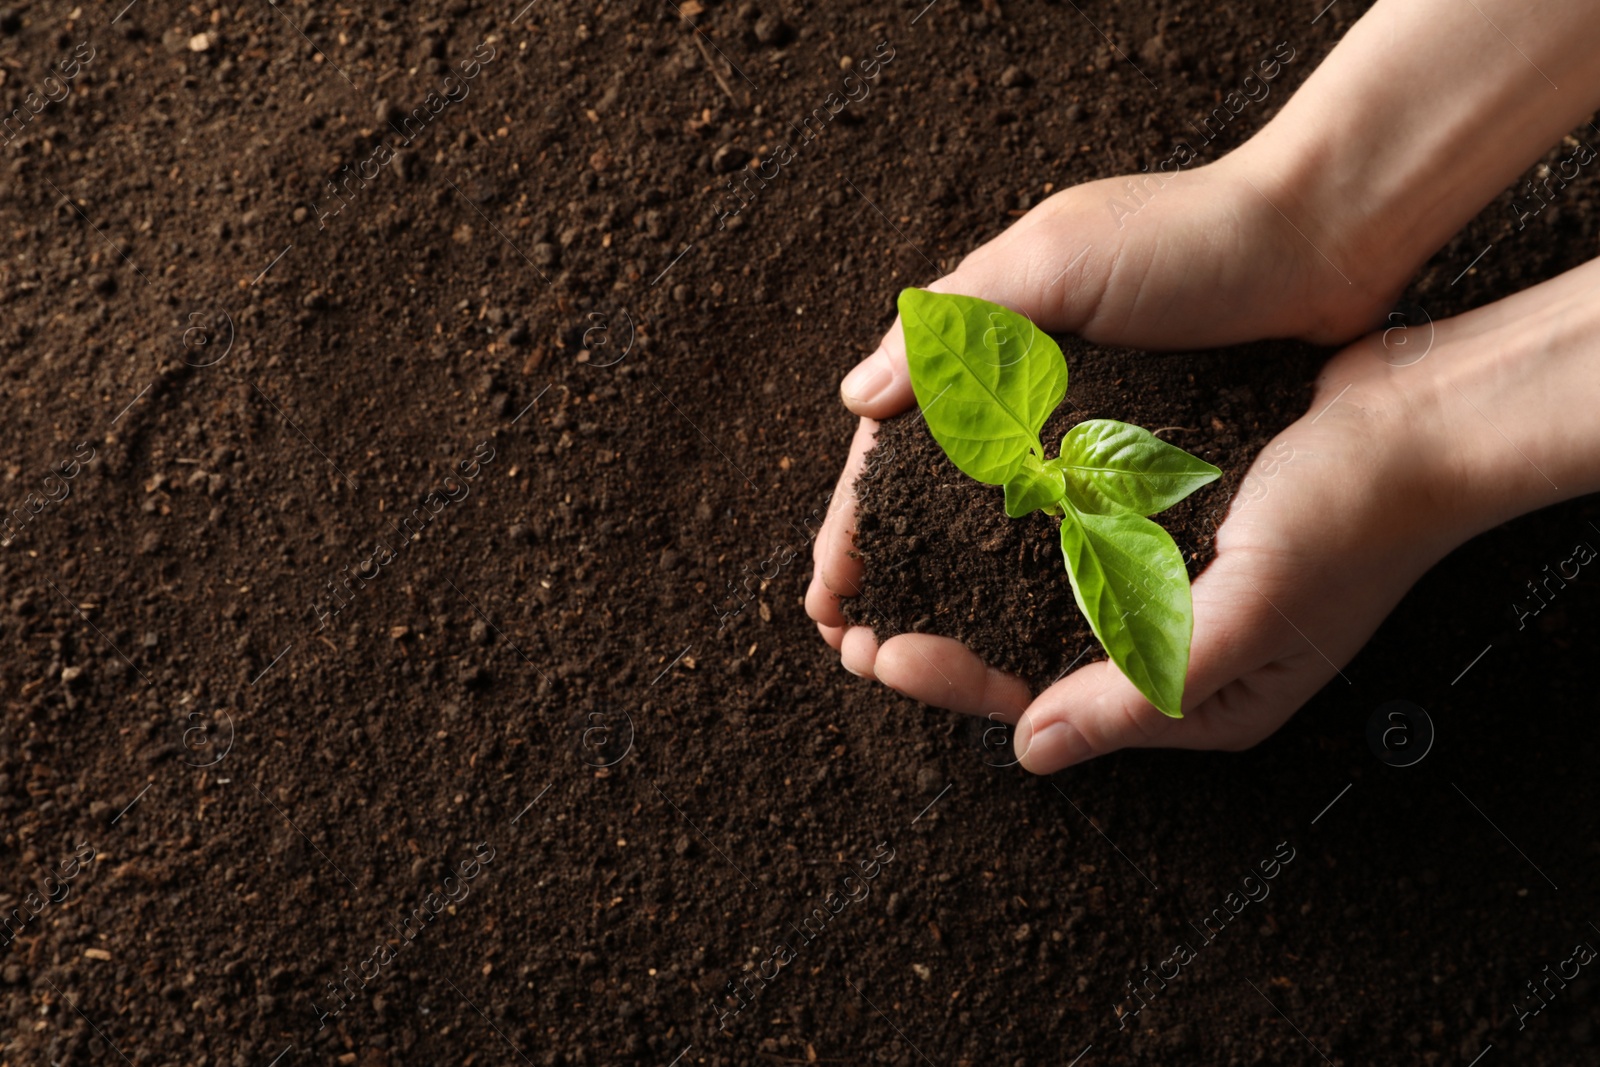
[
  {"x": 1420, "y": 116},
  {"x": 1506, "y": 403}
]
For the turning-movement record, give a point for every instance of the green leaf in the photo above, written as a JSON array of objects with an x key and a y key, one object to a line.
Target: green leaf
[
  {"x": 1111, "y": 466},
  {"x": 985, "y": 377},
  {"x": 1129, "y": 581},
  {"x": 1033, "y": 488}
]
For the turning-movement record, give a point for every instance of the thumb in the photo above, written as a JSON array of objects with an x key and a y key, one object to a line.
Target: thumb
[
  {"x": 1231, "y": 701},
  {"x": 1024, "y": 269}
]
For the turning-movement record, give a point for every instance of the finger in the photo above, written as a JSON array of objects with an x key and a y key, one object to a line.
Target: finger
[
  {"x": 1091, "y": 712},
  {"x": 833, "y": 635},
  {"x": 1096, "y": 710},
  {"x": 838, "y": 567},
  {"x": 880, "y": 386},
  {"x": 858, "y": 649},
  {"x": 945, "y": 673},
  {"x": 822, "y": 604}
]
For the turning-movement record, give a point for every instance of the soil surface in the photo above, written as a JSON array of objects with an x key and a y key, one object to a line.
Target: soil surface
[
  {"x": 941, "y": 556},
  {"x": 404, "y": 654}
]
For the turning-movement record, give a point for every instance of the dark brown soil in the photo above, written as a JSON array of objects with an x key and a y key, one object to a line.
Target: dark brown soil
[
  {"x": 941, "y": 556},
  {"x": 540, "y": 677}
]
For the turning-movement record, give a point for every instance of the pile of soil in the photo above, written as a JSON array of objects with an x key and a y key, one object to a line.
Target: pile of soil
[
  {"x": 583, "y": 674},
  {"x": 941, "y": 556}
]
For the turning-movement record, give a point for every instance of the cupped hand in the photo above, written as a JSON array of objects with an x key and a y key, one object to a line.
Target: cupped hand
[
  {"x": 1206, "y": 257},
  {"x": 1417, "y": 439},
  {"x": 1312, "y": 556},
  {"x": 1338, "y": 517}
]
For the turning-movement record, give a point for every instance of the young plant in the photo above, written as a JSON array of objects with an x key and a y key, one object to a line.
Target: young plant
[{"x": 987, "y": 379}]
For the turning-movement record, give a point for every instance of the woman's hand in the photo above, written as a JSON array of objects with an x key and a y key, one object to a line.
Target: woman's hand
[
  {"x": 1205, "y": 259},
  {"x": 1398, "y": 460},
  {"x": 1309, "y": 230}
]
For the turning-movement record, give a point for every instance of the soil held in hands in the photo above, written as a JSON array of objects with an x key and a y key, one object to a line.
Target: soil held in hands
[{"x": 941, "y": 556}]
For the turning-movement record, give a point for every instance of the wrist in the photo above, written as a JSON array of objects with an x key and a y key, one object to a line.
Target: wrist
[
  {"x": 1506, "y": 400},
  {"x": 1379, "y": 159},
  {"x": 1353, "y": 259}
]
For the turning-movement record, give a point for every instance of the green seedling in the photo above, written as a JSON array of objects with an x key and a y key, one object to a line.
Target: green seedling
[{"x": 987, "y": 379}]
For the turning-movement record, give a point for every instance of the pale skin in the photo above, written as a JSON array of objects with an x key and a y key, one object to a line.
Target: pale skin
[{"x": 1418, "y": 118}]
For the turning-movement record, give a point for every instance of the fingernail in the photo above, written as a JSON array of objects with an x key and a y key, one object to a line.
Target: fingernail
[
  {"x": 1056, "y": 746},
  {"x": 847, "y": 667},
  {"x": 868, "y": 380}
]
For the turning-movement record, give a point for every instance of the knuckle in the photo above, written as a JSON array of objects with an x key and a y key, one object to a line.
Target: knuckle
[{"x": 1141, "y": 723}]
